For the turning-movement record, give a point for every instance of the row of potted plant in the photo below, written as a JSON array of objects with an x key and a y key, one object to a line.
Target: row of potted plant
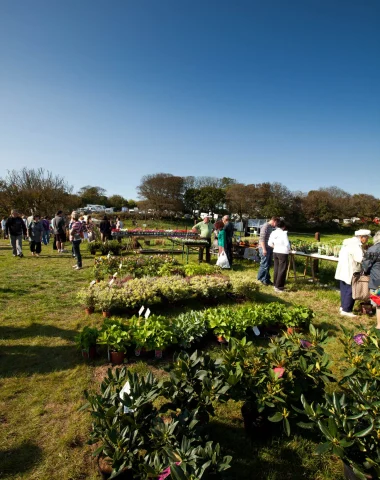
[
  {"x": 331, "y": 248},
  {"x": 158, "y": 332},
  {"x": 227, "y": 321},
  {"x": 154, "y": 333},
  {"x": 147, "y": 266},
  {"x": 135, "y": 265},
  {"x": 128, "y": 294},
  {"x": 110, "y": 247}
]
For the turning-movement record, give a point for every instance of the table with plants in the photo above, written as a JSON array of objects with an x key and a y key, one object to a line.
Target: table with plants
[{"x": 312, "y": 252}]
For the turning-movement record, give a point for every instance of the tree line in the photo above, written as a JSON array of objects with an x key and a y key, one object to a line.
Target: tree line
[{"x": 164, "y": 194}]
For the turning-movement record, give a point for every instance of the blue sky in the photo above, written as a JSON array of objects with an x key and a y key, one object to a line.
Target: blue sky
[{"x": 104, "y": 92}]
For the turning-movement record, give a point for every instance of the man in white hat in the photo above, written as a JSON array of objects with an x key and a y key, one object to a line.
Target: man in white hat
[{"x": 350, "y": 259}]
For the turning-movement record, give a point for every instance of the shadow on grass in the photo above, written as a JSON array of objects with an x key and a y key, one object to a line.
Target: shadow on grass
[
  {"x": 277, "y": 458},
  {"x": 20, "y": 459},
  {"x": 28, "y": 360},
  {"x": 35, "y": 329},
  {"x": 13, "y": 291}
]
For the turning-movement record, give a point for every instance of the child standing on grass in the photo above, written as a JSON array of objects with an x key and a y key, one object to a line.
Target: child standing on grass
[{"x": 35, "y": 231}]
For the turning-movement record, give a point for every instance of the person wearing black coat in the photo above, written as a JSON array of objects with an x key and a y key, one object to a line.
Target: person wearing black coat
[
  {"x": 105, "y": 229},
  {"x": 371, "y": 267},
  {"x": 229, "y": 229},
  {"x": 15, "y": 227}
]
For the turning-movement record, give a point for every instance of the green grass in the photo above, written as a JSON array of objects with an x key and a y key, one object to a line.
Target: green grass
[{"x": 42, "y": 377}]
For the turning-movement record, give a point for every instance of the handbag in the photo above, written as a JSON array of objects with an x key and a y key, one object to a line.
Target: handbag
[
  {"x": 360, "y": 287},
  {"x": 222, "y": 261}
]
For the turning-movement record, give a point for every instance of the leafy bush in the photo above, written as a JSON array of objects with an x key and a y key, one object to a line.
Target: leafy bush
[
  {"x": 195, "y": 383},
  {"x": 116, "y": 335},
  {"x": 131, "y": 433},
  {"x": 87, "y": 338},
  {"x": 137, "y": 266},
  {"x": 350, "y": 425},
  {"x": 149, "y": 291},
  {"x": 189, "y": 327},
  {"x": 199, "y": 269},
  {"x": 87, "y": 297},
  {"x": 243, "y": 286},
  {"x": 271, "y": 379}
]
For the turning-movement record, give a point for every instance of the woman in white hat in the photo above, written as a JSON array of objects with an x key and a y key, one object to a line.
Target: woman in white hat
[{"x": 350, "y": 259}]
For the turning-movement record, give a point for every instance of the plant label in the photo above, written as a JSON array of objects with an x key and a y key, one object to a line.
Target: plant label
[
  {"x": 141, "y": 310},
  {"x": 111, "y": 282},
  {"x": 256, "y": 331},
  {"x": 125, "y": 392},
  {"x": 147, "y": 313},
  {"x": 92, "y": 283}
]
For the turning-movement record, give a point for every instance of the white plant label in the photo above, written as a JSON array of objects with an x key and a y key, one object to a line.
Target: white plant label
[
  {"x": 256, "y": 331},
  {"x": 141, "y": 310},
  {"x": 147, "y": 313},
  {"x": 111, "y": 282},
  {"x": 92, "y": 283}
]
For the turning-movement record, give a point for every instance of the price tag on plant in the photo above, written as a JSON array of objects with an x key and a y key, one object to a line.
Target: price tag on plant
[
  {"x": 256, "y": 331},
  {"x": 141, "y": 310},
  {"x": 147, "y": 313}
]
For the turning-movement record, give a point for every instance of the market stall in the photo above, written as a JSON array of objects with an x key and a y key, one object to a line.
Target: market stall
[{"x": 309, "y": 264}]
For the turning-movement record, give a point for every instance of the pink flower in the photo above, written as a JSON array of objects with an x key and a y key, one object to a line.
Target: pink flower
[
  {"x": 306, "y": 344},
  {"x": 279, "y": 371},
  {"x": 359, "y": 338},
  {"x": 166, "y": 472}
]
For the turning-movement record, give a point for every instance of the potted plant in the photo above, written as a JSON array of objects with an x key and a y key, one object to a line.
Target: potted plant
[
  {"x": 117, "y": 337},
  {"x": 221, "y": 322},
  {"x": 107, "y": 298},
  {"x": 86, "y": 342},
  {"x": 87, "y": 298},
  {"x": 349, "y": 425}
]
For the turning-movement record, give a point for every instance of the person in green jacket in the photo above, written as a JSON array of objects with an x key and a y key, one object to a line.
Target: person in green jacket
[
  {"x": 204, "y": 228},
  {"x": 221, "y": 235}
]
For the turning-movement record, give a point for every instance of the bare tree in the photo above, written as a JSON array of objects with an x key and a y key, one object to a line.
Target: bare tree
[{"x": 35, "y": 191}]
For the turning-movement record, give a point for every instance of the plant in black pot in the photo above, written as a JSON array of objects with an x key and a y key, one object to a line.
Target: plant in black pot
[
  {"x": 195, "y": 383},
  {"x": 86, "y": 342}
]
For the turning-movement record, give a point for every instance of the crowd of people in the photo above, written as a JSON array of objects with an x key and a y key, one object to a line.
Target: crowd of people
[
  {"x": 38, "y": 231},
  {"x": 274, "y": 245},
  {"x": 353, "y": 259}
]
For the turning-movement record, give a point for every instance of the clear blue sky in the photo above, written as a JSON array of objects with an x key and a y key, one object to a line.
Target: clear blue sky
[{"x": 106, "y": 91}]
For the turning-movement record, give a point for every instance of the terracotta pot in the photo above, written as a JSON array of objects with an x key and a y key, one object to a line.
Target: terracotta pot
[
  {"x": 221, "y": 339},
  {"x": 89, "y": 310},
  {"x": 90, "y": 354},
  {"x": 117, "y": 358},
  {"x": 105, "y": 467},
  {"x": 106, "y": 314}
]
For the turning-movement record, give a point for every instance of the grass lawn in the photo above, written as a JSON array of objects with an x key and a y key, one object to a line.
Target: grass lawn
[{"x": 42, "y": 376}]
